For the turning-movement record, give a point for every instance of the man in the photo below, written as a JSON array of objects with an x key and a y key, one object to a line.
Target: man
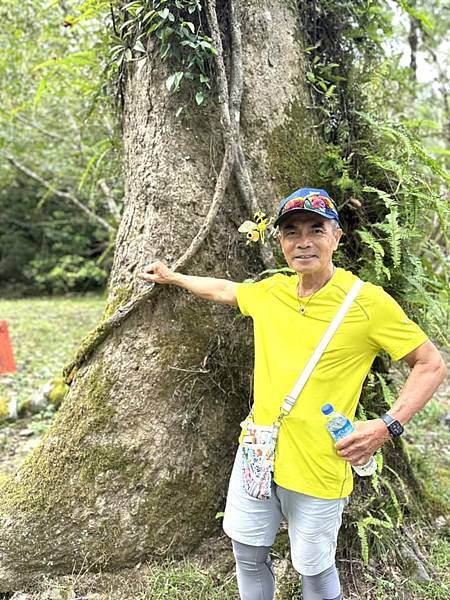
[{"x": 312, "y": 478}]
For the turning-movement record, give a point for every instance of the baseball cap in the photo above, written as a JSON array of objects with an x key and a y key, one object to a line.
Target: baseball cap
[{"x": 307, "y": 199}]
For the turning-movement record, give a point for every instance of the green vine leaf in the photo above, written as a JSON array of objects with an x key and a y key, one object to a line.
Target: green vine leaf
[
  {"x": 174, "y": 80},
  {"x": 199, "y": 98},
  {"x": 180, "y": 40}
]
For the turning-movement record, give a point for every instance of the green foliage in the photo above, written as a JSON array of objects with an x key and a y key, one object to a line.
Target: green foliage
[
  {"x": 379, "y": 515},
  {"x": 179, "y": 30},
  {"x": 70, "y": 273},
  {"x": 381, "y": 270},
  {"x": 388, "y": 395},
  {"x": 57, "y": 121},
  {"x": 389, "y": 186},
  {"x": 437, "y": 589},
  {"x": 417, "y": 14},
  {"x": 371, "y": 524},
  {"x": 46, "y": 249}
]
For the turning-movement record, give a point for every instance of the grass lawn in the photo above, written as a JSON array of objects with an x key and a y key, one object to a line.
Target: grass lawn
[{"x": 45, "y": 332}]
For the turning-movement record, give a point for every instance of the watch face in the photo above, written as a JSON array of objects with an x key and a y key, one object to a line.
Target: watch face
[{"x": 396, "y": 428}]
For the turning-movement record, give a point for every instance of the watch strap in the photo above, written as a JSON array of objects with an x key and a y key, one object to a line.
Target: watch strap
[
  {"x": 387, "y": 419},
  {"x": 395, "y": 428}
]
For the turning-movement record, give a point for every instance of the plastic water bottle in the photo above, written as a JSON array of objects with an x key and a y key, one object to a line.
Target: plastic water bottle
[{"x": 339, "y": 426}]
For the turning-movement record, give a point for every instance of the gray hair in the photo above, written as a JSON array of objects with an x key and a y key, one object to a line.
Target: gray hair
[{"x": 335, "y": 225}]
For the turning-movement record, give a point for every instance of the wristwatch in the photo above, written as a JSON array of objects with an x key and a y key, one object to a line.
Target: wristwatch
[{"x": 395, "y": 428}]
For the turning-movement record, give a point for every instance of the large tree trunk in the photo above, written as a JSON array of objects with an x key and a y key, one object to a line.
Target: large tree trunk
[{"x": 137, "y": 460}]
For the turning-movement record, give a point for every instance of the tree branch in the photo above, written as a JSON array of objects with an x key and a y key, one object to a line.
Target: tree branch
[
  {"x": 236, "y": 77},
  {"x": 229, "y": 138},
  {"x": 246, "y": 189},
  {"x": 93, "y": 340},
  {"x": 222, "y": 83},
  {"x": 111, "y": 201},
  {"x": 103, "y": 330},
  {"x": 65, "y": 195},
  {"x": 50, "y": 134},
  {"x": 219, "y": 192}
]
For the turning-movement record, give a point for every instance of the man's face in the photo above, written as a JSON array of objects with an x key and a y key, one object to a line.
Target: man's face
[{"x": 308, "y": 242}]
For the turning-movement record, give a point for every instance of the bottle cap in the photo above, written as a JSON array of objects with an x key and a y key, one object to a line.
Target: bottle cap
[{"x": 327, "y": 409}]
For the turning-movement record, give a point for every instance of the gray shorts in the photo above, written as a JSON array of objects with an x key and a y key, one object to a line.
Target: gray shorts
[{"x": 313, "y": 523}]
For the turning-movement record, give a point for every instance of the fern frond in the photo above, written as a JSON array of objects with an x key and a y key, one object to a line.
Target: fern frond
[
  {"x": 395, "y": 503},
  {"x": 401, "y": 483},
  {"x": 387, "y": 392},
  {"x": 387, "y": 164},
  {"x": 361, "y": 530},
  {"x": 361, "y": 413},
  {"x": 375, "y": 481},
  {"x": 384, "y": 196},
  {"x": 380, "y": 461},
  {"x": 394, "y": 234},
  {"x": 378, "y": 251}
]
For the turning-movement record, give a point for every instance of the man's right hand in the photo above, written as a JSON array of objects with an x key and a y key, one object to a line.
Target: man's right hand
[
  {"x": 222, "y": 291},
  {"x": 157, "y": 272}
]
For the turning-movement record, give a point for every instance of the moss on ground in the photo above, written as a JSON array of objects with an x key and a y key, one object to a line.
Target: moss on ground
[
  {"x": 58, "y": 392},
  {"x": 4, "y": 408}
]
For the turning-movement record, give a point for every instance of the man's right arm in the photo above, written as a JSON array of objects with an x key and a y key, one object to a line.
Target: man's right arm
[{"x": 222, "y": 291}]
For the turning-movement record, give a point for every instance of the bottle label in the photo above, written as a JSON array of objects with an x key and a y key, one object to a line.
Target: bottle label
[{"x": 343, "y": 431}]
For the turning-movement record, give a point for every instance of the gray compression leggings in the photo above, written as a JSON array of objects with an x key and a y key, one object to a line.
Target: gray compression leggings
[{"x": 256, "y": 578}]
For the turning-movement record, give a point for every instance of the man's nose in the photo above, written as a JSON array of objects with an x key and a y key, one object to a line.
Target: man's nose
[{"x": 303, "y": 240}]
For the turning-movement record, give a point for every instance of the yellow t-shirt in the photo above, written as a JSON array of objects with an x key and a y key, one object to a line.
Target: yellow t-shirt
[{"x": 306, "y": 460}]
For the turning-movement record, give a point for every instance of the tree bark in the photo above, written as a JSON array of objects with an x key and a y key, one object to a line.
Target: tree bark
[{"x": 137, "y": 460}]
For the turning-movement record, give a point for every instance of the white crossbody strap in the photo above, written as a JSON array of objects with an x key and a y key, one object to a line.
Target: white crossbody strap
[{"x": 291, "y": 398}]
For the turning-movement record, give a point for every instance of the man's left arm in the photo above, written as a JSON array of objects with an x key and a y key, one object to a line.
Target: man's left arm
[{"x": 428, "y": 371}]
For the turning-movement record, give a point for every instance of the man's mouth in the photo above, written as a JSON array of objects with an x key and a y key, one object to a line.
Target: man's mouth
[{"x": 305, "y": 256}]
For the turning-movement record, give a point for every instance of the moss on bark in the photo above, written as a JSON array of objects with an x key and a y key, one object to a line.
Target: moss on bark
[
  {"x": 41, "y": 482},
  {"x": 117, "y": 297},
  {"x": 294, "y": 150},
  {"x": 182, "y": 528}
]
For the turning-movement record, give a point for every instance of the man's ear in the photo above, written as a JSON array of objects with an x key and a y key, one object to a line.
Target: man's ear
[{"x": 337, "y": 236}]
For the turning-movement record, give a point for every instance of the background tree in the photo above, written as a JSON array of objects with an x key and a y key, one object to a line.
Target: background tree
[
  {"x": 158, "y": 389},
  {"x": 60, "y": 173}
]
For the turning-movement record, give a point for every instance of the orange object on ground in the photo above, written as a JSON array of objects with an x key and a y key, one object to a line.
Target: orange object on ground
[{"x": 7, "y": 363}]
